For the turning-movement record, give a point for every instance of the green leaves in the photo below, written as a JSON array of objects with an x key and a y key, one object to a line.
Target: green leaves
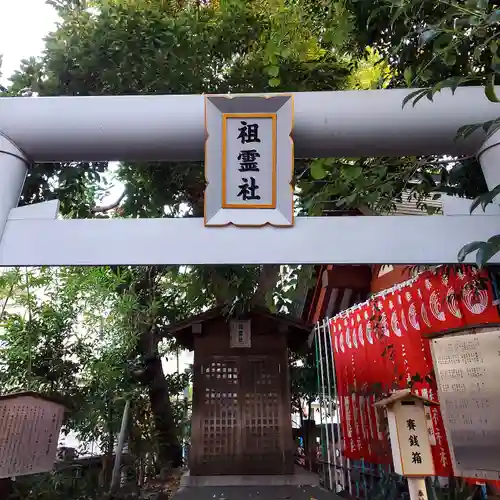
[
  {"x": 273, "y": 72},
  {"x": 452, "y": 83},
  {"x": 408, "y": 76},
  {"x": 416, "y": 96},
  {"x": 466, "y": 130},
  {"x": 490, "y": 127},
  {"x": 489, "y": 89},
  {"x": 438, "y": 46},
  {"x": 322, "y": 167},
  {"x": 482, "y": 4},
  {"x": 468, "y": 249},
  {"x": 428, "y": 35},
  {"x": 443, "y": 41},
  {"x": 495, "y": 62},
  {"x": 485, "y": 199},
  {"x": 351, "y": 173},
  {"x": 318, "y": 170},
  {"x": 494, "y": 17},
  {"x": 485, "y": 250}
]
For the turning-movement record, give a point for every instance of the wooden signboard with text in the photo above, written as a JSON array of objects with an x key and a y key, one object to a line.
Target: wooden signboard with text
[{"x": 249, "y": 161}]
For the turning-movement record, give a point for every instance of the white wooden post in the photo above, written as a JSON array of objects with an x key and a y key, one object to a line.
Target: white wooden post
[
  {"x": 489, "y": 157},
  {"x": 171, "y": 127},
  {"x": 411, "y": 449},
  {"x": 13, "y": 169},
  {"x": 119, "y": 449}
]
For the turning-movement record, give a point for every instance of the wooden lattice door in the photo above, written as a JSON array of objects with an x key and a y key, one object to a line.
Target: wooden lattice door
[
  {"x": 261, "y": 401},
  {"x": 238, "y": 416},
  {"x": 216, "y": 438}
]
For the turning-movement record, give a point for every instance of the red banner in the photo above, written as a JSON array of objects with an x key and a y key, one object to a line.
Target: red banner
[{"x": 381, "y": 345}]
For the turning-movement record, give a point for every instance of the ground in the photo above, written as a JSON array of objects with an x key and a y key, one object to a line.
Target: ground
[{"x": 255, "y": 493}]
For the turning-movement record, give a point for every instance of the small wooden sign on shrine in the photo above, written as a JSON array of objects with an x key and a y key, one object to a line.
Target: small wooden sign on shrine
[
  {"x": 249, "y": 160},
  {"x": 241, "y": 423}
]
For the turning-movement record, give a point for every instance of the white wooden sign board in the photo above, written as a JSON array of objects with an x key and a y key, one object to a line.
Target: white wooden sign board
[
  {"x": 240, "y": 333},
  {"x": 467, "y": 368},
  {"x": 249, "y": 161},
  {"x": 410, "y": 445}
]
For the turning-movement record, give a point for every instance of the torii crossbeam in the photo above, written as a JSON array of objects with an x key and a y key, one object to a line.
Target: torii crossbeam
[{"x": 168, "y": 128}]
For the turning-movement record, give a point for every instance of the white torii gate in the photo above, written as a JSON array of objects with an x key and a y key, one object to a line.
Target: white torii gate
[{"x": 171, "y": 128}]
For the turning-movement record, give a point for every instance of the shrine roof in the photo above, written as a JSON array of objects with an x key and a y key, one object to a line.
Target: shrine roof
[
  {"x": 298, "y": 330},
  {"x": 404, "y": 395},
  {"x": 32, "y": 394}
]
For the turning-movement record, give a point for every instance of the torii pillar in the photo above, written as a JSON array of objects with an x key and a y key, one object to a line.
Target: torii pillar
[{"x": 13, "y": 169}]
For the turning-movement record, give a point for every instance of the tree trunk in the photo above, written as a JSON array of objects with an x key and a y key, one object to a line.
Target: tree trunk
[
  {"x": 169, "y": 448},
  {"x": 107, "y": 459}
]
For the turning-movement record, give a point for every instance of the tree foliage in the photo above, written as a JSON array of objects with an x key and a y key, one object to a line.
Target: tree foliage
[
  {"x": 72, "y": 334},
  {"x": 440, "y": 46},
  {"x": 433, "y": 46}
]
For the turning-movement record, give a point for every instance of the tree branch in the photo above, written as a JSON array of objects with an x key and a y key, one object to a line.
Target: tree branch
[{"x": 107, "y": 208}]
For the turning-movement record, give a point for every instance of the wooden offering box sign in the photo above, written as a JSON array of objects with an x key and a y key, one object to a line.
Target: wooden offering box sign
[
  {"x": 410, "y": 445},
  {"x": 29, "y": 433}
]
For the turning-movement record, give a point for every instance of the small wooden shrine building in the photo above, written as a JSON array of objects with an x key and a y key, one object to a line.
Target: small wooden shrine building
[{"x": 241, "y": 421}]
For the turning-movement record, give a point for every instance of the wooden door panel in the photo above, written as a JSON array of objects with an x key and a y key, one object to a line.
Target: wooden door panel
[
  {"x": 219, "y": 433},
  {"x": 261, "y": 408},
  {"x": 239, "y": 403}
]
